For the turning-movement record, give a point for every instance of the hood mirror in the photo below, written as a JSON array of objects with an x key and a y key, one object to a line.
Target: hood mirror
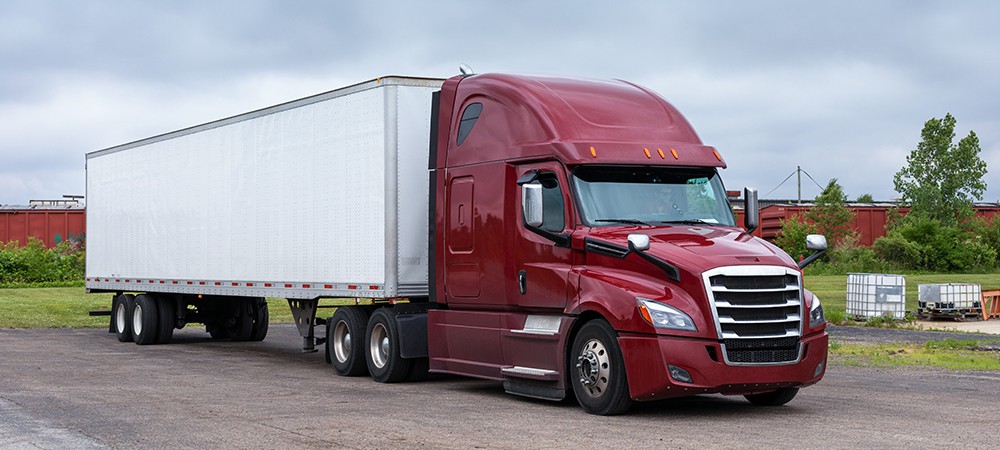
[
  {"x": 638, "y": 242},
  {"x": 816, "y": 242}
]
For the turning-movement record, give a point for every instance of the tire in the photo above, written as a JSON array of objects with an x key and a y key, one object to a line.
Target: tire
[
  {"x": 261, "y": 318},
  {"x": 382, "y": 348},
  {"x": 145, "y": 320},
  {"x": 345, "y": 341},
  {"x": 217, "y": 331},
  {"x": 776, "y": 398},
  {"x": 238, "y": 319},
  {"x": 121, "y": 317},
  {"x": 168, "y": 318},
  {"x": 597, "y": 370}
]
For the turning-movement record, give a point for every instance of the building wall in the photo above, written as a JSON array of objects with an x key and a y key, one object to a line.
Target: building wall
[
  {"x": 51, "y": 226},
  {"x": 869, "y": 221}
]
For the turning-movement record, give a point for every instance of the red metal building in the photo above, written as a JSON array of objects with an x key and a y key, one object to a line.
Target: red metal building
[
  {"x": 51, "y": 224},
  {"x": 869, "y": 219}
]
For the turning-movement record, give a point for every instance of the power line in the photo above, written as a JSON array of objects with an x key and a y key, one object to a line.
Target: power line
[
  {"x": 779, "y": 184},
  {"x": 821, "y": 188},
  {"x": 797, "y": 170}
]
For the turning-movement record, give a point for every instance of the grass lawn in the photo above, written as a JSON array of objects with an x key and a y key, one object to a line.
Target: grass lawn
[
  {"x": 59, "y": 307},
  {"x": 832, "y": 289},
  {"x": 68, "y": 307}
]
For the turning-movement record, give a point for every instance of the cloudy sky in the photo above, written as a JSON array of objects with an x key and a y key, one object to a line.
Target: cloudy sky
[{"x": 839, "y": 88}]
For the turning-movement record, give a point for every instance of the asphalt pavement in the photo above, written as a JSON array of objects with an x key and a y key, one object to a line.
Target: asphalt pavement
[{"x": 81, "y": 388}]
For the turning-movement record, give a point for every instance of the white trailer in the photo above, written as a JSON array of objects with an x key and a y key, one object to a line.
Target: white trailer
[{"x": 322, "y": 197}]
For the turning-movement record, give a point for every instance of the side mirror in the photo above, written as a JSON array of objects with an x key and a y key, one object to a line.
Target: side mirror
[
  {"x": 816, "y": 242},
  {"x": 751, "y": 210},
  {"x": 531, "y": 202},
  {"x": 638, "y": 242}
]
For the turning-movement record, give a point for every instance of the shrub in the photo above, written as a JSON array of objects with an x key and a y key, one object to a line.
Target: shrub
[
  {"x": 792, "y": 237},
  {"x": 847, "y": 256},
  {"x": 33, "y": 263},
  {"x": 918, "y": 242}
]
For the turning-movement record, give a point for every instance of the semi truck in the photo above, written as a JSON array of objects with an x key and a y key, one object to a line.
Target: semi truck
[{"x": 563, "y": 237}]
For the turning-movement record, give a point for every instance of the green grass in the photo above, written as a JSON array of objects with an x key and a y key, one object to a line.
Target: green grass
[
  {"x": 947, "y": 354},
  {"x": 832, "y": 289},
  {"x": 68, "y": 307}
]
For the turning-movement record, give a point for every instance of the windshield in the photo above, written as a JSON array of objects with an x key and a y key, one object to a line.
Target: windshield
[{"x": 651, "y": 196}]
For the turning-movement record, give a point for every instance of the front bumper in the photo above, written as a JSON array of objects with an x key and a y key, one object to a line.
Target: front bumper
[{"x": 646, "y": 359}]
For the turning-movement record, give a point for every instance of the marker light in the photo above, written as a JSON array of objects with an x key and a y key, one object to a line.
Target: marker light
[
  {"x": 593, "y": 152},
  {"x": 646, "y": 151},
  {"x": 660, "y": 151},
  {"x": 674, "y": 152},
  {"x": 716, "y": 153}
]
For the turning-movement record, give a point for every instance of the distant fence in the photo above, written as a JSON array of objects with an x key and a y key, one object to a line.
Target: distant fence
[{"x": 50, "y": 224}]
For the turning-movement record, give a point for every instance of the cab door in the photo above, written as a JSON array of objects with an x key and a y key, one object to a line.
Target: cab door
[{"x": 542, "y": 255}]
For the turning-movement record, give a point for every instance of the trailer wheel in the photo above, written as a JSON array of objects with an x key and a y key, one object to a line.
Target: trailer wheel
[
  {"x": 241, "y": 320},
  {"x": 145, "y": 318},
  {"x": 384, "y": 363},
  {"x": 776, "y": 398},
  {"x": 121, "y": 318},
  {"x": 597, "y": 370},
  {"x": 345, "y": 341},
  {"x": 168, "y": 318},
  {"x": 261, "y": 318}
]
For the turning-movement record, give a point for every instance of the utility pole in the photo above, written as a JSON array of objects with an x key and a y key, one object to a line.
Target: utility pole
[{"x": 798, "y": 171}]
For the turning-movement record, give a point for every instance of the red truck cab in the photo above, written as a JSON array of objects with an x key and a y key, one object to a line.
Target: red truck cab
[{"x": 582, "y": 240}]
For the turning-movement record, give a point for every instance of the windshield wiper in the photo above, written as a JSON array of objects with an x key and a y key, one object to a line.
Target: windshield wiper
[
  {"x": 628, "y": 221},
  {"x": 688, "y": 222}
]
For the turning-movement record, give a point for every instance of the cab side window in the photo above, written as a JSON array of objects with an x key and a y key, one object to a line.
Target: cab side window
[
  {"x": 469, "y": 118},
  {"x": 553, "y": 209}
]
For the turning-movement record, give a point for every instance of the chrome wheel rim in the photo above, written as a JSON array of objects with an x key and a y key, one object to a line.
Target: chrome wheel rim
[
  {"x": 593, "y": 368},
  {"x": 137, "y": 320},
  {"x": 341, "y": 341},
  {"x": 121, "y": 319},
  {"x": 378, "y": 346}
]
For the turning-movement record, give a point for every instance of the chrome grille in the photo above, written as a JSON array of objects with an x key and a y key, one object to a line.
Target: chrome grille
[{"x": 758, "y": 313}]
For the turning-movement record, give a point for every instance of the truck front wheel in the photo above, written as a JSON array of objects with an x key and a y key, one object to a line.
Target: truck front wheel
[
  {"x": 776, "y": 398},
  {"x": 345, "y": 342},
  {"x": 384, "y": 362},
  {"x": 597, "y": 370}
]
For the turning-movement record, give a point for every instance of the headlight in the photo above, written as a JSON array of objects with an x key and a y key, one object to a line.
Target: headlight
[
  {"x": 816, "y": 317},
  {"x": 663, "y": 316}
]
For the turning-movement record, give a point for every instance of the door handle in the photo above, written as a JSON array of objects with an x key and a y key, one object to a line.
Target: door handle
[{"x": 522, "y": 281}]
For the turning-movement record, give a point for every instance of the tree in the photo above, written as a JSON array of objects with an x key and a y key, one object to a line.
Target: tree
[
  {"x": 865, "y": 198},
  {"x": 830, "y": 214},
  {"x": 941, "y": 179}
]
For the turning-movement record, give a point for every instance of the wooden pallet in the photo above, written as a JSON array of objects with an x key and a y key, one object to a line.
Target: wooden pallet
[{"x": 958, "y": 315}]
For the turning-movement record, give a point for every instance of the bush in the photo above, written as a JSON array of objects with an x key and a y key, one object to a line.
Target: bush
[
  {"x": 847, "y": 256},
  {"x": 918, "y": 242},
  {"x": 33, "y": 263},
  {"x": 792, "y": 237},
  {"x": 987, "y": 232}
]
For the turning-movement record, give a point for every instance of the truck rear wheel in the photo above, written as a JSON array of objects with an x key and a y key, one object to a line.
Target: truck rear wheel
[
  {"x": 384, "y": 362},
  {"x": 121, "y": 318},
  {"x": 776, "y": 398},
  {"x": 145, "y": 318},
  {"x": 168, "y": 318},
  {"x": 345, "y": 341},
  {"x": 597, "y": 370},
  {"x": 261, "y": 318}
]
